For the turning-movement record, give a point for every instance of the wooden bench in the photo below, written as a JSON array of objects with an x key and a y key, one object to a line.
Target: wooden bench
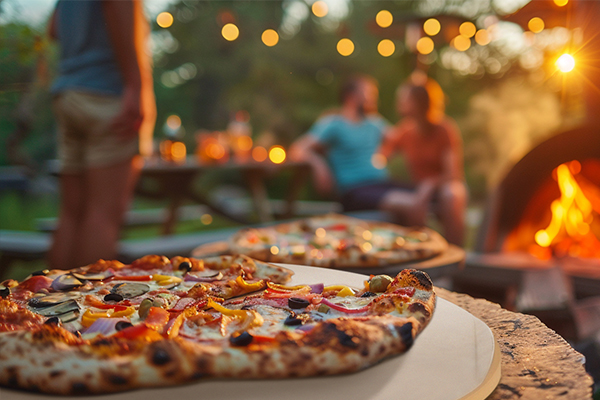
[{"x": 31, "y": 246}]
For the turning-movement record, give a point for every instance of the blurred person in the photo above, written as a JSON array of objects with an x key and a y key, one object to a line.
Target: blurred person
[
  {"x": 432, "y": 147},
  {"x": 105, "y": 110}
]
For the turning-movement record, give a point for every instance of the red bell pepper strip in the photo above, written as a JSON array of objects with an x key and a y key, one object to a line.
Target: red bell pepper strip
[
  {"x": 139, "y": 332},
  {"x": 140, "y": 278},
  {"x": 96, "y": 302}
]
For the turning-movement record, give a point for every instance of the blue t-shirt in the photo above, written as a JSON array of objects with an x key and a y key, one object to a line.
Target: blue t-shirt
[
  {"x": 350, "y": 148},
  {"x": 87, "y": 60}
]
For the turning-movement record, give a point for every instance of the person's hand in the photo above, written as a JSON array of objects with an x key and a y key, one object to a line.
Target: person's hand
[{"x": 127, "y": 123}]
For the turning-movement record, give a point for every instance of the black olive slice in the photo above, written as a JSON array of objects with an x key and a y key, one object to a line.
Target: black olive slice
[
  {"x": 41, "y": 272},
  {"x": 243, "y": 339},
  {"x": 119, "y": 326},
  {"x": 113, "y": 297},
  {"x": 185, "y": 266},
  {"x": 130, "y": 289},
  {"x": 297, "y": 303},
  {"x": 292, "y": 320},
  {"x": 4, "y": 292},
  {"x": 368, "y": 294},
  {"x": 52, "y": 321},
  {"x": 66, "y": 282},
  {"x": 58, "y": 309}
]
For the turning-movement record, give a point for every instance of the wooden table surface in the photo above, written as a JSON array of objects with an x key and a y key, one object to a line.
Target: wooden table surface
[{"x": 537, "y": 363}]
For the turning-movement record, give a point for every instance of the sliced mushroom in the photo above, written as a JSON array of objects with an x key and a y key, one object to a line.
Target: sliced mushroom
[
  {"x": 203, "y": 276},
  {"x": 66, "y": 282},
  {"x": 130, "y": 289},
  {"x": 51, "y": 299},
  {"x": 58, "y": 309},
  {"x": 92, "y": 276},
  {"x": 69, "y": 316}
]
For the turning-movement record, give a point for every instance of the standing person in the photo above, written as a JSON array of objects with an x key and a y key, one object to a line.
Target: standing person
[
  {"x": 432, "y": 147},
  {"x": 105, "y": 110}
]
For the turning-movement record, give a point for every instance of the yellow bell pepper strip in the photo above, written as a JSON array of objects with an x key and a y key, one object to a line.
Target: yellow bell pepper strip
[
  {"x": 250, "y": 287},
  {"x": 89, "y": 317},
  {"x": 248, "y": 318},
  {"x": 175, "y": 324},
  {"x": 342, "y": 290}
]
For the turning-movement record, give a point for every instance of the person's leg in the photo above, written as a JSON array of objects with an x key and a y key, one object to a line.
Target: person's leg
[
  {"x": 60, "y": 255},
  {"x": 107, "y": 195},
  {"x": 451, "y": 208},
  {"x": 409, "y": 206}
]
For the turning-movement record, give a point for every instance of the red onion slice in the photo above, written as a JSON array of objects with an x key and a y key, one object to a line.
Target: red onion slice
[
  {"x": 317, "y": 288},
  {"x": 104, "y": 326},
  {"x": 343, "y": 309}
]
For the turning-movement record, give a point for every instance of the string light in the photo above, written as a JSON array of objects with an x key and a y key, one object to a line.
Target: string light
[
  {"x": 270, "y": 37},
  {"x": 461, "y": 43},
  {"x": 259, "y": 154},
  {"x": 467, "y": 29},
  {"x": 536, "y": 25},
  {"x": 565, "y": 63},
  {"x": 386, "y": 47},
  {"x": 384, "y": 18},
  {"x": 320, "y": 9},
  {"x": 561, "y": 3},
  {"x": 425, "y": 45},
  {"x": 482, "y": 37},
  {"x": 230, "y": 32},
  {"x": 164, "y": 19},
  {"x": 345, "y": 47},
  {"x": 432, "y": 27},
  {"x": 277, "y": 154}
]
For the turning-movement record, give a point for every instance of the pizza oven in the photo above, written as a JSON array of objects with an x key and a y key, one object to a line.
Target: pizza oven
[{"x": 538, "y": 248}]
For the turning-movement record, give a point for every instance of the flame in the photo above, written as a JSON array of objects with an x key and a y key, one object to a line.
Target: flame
[{"x": 571, "y": 215}]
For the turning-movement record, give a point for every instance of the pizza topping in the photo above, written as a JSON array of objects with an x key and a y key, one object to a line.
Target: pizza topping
[
  {"x": 297, "y": 303},
  {"x": 104, "y": 326},
  {"x": 203, "y": 276},
  {"x": 34, "y": 284},
  {"x": 368, "y": 294},
  {"x": 4, "y": 292},
  {"x": 242, "y": 339},
  {"x": 250, "y": 287},
  {"x": 42, "y": 272},
  {"x": 157, "y": 318},
  {"x": 89, "y": 316},
  {"x": 58, "y": 309},
  {"x": 141, "y": 278},
  {"x": 65, "y": 282},
  {"x": 52, "y": 321},
  {"x": 379, "y": 283},
  {"x": 129, "y": 290},
  {"x": 165, "y": 280},
  {"x": 120, "y": 325},
  {"x": 185, "y": 266},
  {"x": 51, "y": 299},
  {"x": 94, "y": 276},
  {"x": 140, "y": 333},
  {"x": 343, "y": 309},
  {"x": 113, "y": 297},
  {"x": 292, "y": 320}
]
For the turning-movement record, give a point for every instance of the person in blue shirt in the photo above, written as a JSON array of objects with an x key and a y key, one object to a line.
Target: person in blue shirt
[
  {"x": 104, "y": 105},
  {"x": 342, "y": 149}
]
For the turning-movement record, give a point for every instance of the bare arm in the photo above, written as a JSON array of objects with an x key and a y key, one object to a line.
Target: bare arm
[
  {"x": 391, "y": 141},
  {"x": 452, "y": 162},
  {"x": 120, "y": 20},
  {"x": 308, "y": 149}
]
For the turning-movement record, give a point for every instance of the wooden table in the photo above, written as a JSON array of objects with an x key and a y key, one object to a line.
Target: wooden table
[
  {"x": 536, "y": 362},
  {"x": 175, "y": 182}
]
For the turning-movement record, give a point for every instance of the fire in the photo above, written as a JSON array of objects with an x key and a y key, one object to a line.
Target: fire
[{"x": 569, "y": 231}]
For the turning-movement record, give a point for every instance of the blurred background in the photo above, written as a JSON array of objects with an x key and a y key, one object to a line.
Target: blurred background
[{"x": 274, "y": 66}]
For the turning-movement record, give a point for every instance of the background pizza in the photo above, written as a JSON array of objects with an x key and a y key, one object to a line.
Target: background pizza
[{"x": 338, "y": 241}]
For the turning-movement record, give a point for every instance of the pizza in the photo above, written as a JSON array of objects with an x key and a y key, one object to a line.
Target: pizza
[
  {"x": 338, "y": 241},
  {"x": 110, "y": 327}
]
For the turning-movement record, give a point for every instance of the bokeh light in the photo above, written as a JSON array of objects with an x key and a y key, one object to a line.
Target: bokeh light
[
  {"x": 561, "y": 3},
  {"x": 432, "y": 27},
  {"x": 482, "y": 37},
  {"x": 379, "y": 161},
  {"x": 384, "y": 18},
  {"x": 536, "y": 25},
  {"x": 461, "y": 43},
  {"x": 178, "y": 151},
  {"x": 206, "y": 219},
  {"x": 565, "y": 63},
  {"x": 270, "y": 37},
  {"x": 164, "y": 19},
  {"x": 345, "y": 47},
  {"x": 277, "y": 154},
  {"x": 425, "y": 45},
  {"x": 174, "y": 122},
  {"x": 230, "y": 32},
  {"x": 244, "y": 143},
  {"x": 320, "y": 9},
  {"x": 386, "y": 47},
  {"x": 467, "y": 29},
  {"x": 259, "y": 154}
]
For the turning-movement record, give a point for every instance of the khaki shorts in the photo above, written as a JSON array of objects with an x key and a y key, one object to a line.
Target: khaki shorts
[{"x": 85, "y": 139}]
